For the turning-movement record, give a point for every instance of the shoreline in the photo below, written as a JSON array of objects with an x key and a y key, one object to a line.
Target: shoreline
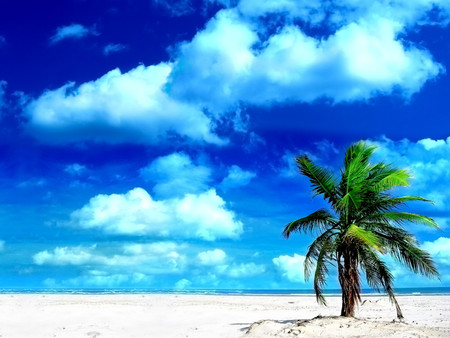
[
  {"x": 401, "y": 292},
  {"x": 201, "y": 316}
]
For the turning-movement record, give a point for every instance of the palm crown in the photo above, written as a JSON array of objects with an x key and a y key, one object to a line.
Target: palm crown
[{"x": 364, "y": 223}]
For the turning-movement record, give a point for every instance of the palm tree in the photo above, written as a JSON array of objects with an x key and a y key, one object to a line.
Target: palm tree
[{"x": 365, "y": 223}]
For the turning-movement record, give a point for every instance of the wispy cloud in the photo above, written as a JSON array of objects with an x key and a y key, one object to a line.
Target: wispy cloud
[
  {"x": 237, "y": 177},
  {"x": 98, "y": 267},
  {"x": 175, "y": 8},
  {"x": 176, "y": 175},
  {"x": 73, "y": 31},
  {"x": 113, "y": 48},
  {"x": 2, "y": 93}
]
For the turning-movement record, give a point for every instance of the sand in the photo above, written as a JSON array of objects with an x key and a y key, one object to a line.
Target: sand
[{"x": 171, "y": 315}]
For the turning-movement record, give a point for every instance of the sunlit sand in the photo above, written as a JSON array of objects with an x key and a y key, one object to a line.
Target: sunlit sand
[{"x": 171, "y": 315}]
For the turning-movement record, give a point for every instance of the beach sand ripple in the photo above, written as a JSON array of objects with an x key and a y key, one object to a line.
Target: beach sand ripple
[{"x": 341, "y": 327}]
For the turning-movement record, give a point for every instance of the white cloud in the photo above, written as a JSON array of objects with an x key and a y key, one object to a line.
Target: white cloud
[
  {"x": 75, "y": 169},
  {"x": 116, "y": 108},
  {"x": 136, "y": 213},
  {"x": 67, "y": 256},
  {"x": 290, "y": 267},
  {"x": 341, "y": 12},
  {"x": 150, "y": 258},
  {"x": 237, "y": 177},
  {"x": 176, "y": 174},
  {"x": 183, "y": 284},
  {"x": 33, "y": 182},
  {"x": 310, "y": 11},
  {"x": 113, "y": 48},
  {"x": 209, "y": 68},
  {"x": 359, "y": 61},
  {"x": 439, "y": 249},
  {"x": 237, "y": 60},
  {"x": 245, "y": 270},
  {"x": 144, "y": 264},
  {"x": 73, "y": 31},
  {"x": 212, "y": 257}
]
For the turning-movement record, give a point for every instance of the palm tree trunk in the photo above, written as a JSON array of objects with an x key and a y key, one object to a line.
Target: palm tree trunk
[{"x": 350, "y": 284}]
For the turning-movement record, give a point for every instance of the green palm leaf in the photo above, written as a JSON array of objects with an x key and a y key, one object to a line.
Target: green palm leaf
[
  {"x": 400, "y": 217},
  {"x": 318, "y": 220},
  {"x": 364, "y": 237},
  {"x": 322, "y": 181}
]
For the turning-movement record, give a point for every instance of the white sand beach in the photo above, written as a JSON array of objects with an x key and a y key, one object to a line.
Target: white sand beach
[{"x": 172, "y": 315}]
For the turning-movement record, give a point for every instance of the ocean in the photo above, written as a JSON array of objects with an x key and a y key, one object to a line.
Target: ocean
[{"x": 429, "y": 291}]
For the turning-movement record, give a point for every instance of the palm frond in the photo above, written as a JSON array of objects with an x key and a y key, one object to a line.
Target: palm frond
[
  {"x": 416, "y": 259},
  {"x": 391, "y": 178},
  {"x": 365, "y": 237},
  {"x": 361, "y": 152},
  {"x": 322, "y": 181},
  {"x": 400, "y": 217},
  {"x": 377, "y": 273},
  {"x": 321, "y": 273},
  {"x": 315, "y": 249},
  {"x": 319, "y": 220},
  {"x": 383, "y": 203}
]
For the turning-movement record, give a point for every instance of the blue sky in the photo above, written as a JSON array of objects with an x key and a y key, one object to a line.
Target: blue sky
[{"x": 152, "y": 143}]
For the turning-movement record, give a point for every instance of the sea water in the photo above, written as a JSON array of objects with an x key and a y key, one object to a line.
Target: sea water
[{"x": 428, "y": 291}]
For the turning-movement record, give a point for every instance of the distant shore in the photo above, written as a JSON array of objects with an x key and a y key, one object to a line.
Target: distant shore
[{"x": 222, "y": 316}]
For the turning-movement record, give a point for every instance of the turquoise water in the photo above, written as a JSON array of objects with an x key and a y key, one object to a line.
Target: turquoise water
[{"x": 331, "y": 292}]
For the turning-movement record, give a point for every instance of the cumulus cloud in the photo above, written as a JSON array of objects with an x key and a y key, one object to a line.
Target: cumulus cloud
[
  {"x": 439, "y": 249},
  {"x": 116, "y": 108},
  {"x": 66, "y": 256},
  {"x": 113, "y": 48},
  {"x": 212, "y": 257},
  {"x": 237, "y": 177},
  {"x": 209, "y": 68},
  {"x": 341, "y": 12},
  {"x": 73, "y": 31},
  {"x": 242, "y": 58},
  {"x": 360, "y": 60},
  {"x": 203, "y": 215},
  {"x": 245, "y": 270},
  {"x": 183, "y": 284},
  {"x": 144, "y": 264},
  {"x": 151, "y": 258},
  {"x": 176, "y": 174},
  {"x": 290, "y": 267}
]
